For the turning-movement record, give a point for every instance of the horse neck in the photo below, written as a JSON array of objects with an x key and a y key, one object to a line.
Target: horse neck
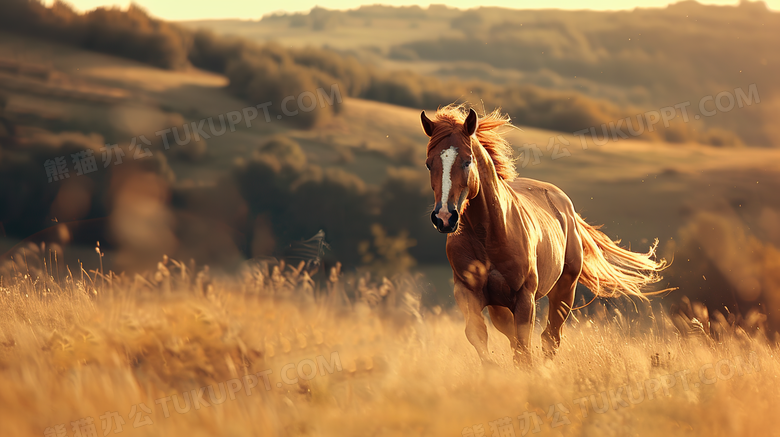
[{"x": 489, "y": 204}]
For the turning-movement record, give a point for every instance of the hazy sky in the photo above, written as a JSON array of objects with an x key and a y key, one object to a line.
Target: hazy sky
[{"x": 254, "y": 9}]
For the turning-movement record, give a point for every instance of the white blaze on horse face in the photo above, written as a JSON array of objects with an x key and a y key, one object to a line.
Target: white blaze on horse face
[{"x": 447, "y": 160}]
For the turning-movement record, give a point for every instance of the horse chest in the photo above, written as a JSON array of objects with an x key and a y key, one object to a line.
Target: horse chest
[
  {"x": 506, "y": 276},
  {"x": 508, "y": 265}
]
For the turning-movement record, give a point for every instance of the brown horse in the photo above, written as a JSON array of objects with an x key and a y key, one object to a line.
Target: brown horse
[{"x": 513, "y": 240}]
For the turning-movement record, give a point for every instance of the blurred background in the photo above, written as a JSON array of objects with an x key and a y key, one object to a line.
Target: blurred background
[{"x": 146, "y": 136}]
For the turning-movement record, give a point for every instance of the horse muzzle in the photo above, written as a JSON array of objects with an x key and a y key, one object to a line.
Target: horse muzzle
[{"x": 445, "y": 220}]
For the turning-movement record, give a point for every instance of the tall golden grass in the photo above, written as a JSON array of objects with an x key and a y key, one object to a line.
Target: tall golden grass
[{"x": 77, "y": 348}]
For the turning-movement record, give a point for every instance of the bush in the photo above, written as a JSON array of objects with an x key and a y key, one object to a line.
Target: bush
[
  {"x": 719, "y": 137},
  {"x": 301, "y": 198},
  {"x": 129, "y": 34}
]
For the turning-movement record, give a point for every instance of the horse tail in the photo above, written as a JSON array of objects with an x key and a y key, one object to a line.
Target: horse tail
[{"x": 608, "y": 270}]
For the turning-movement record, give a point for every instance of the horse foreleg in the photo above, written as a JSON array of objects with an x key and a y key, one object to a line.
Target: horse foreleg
[
  {"x": 524, "y": 313},
  {"x": 504, "y": 321},
  {"x": 501, "y": 316},
  {"x": 471, "y": 305}
]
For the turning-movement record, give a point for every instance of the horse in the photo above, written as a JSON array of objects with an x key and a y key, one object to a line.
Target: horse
[{"x": 512, "y": 241}]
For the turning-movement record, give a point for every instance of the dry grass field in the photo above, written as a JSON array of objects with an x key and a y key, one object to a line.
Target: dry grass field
[{"x": 178, "y": 352}]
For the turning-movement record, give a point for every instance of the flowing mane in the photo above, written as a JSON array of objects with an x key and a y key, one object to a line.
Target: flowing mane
[{"x": 452, "y": 116}]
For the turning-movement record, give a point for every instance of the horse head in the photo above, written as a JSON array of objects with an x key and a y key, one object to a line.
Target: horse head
[{"x": 450, "y": 161}]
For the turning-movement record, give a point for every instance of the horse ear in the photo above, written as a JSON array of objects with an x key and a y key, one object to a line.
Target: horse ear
[
  {"x": 427, "y": 124},
  {"x": 471, "y": 123}
]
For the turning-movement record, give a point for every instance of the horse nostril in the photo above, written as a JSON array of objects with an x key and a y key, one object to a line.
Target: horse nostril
[{"x": 437, "y": 223}]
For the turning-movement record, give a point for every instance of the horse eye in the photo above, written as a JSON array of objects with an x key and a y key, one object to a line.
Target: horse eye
[
  {"x": 466, "y": 164},
  {"x": 428, "y": 166}
]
